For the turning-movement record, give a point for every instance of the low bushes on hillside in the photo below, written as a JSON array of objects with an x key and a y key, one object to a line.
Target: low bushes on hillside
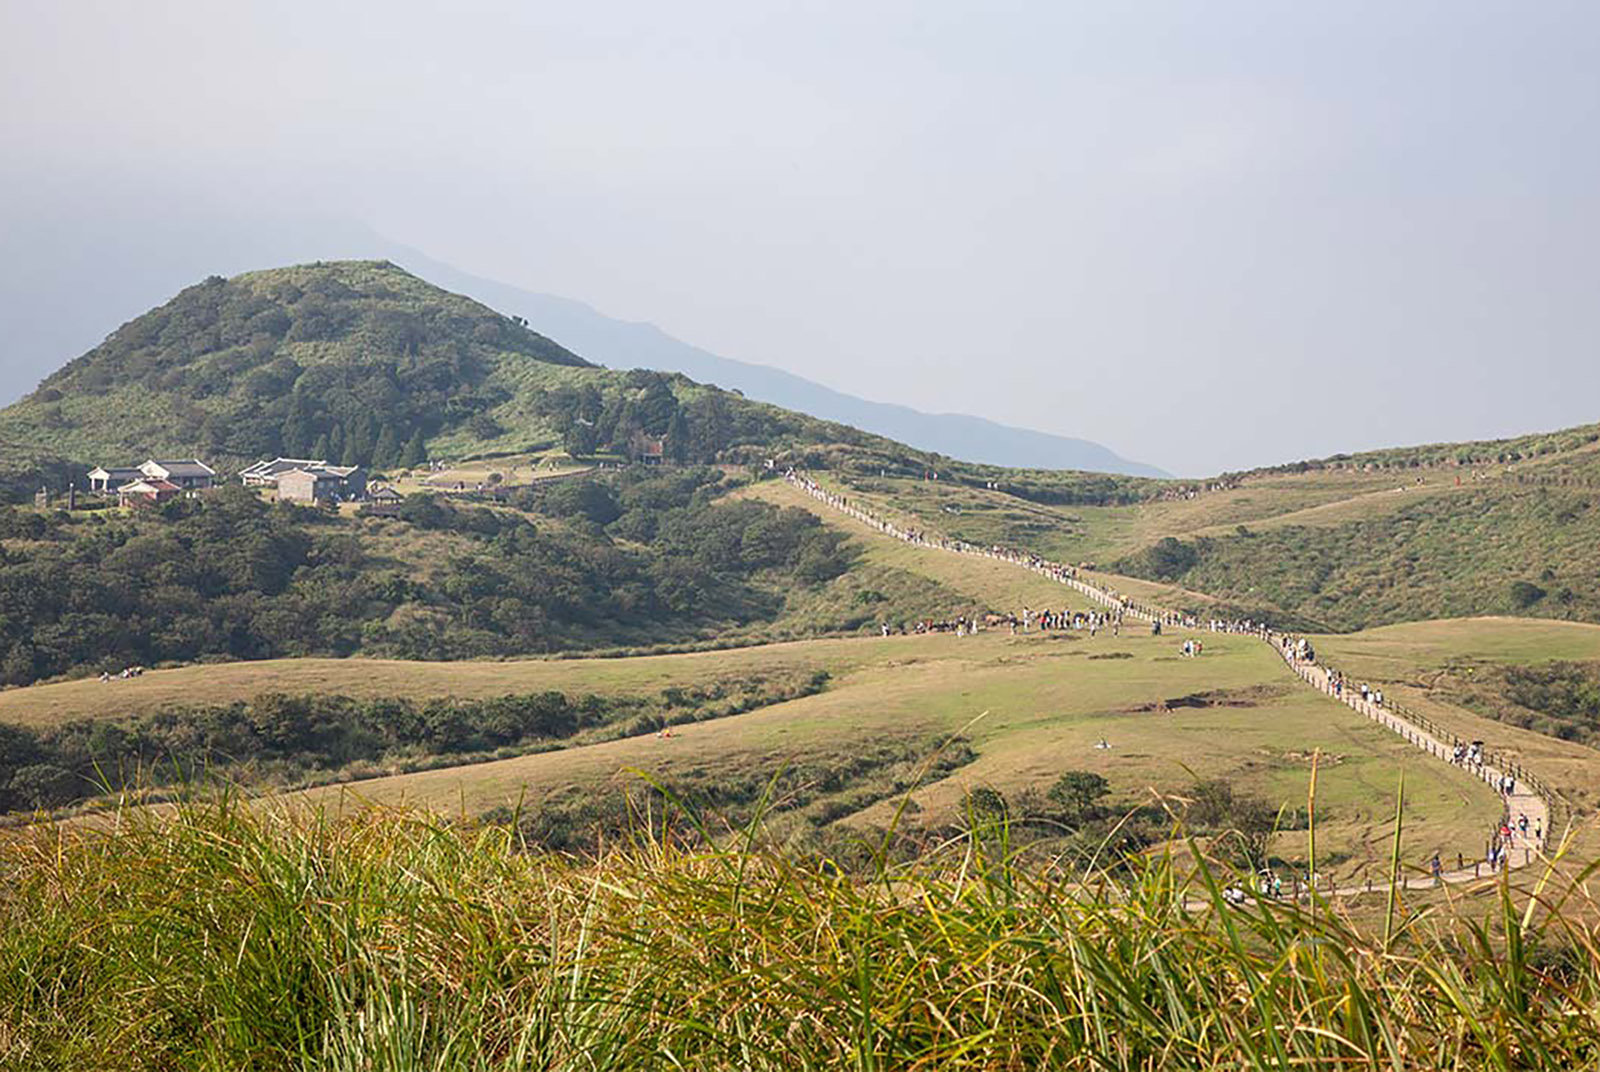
[
  {"x": 1559, "y": 698},
  {"x": 1495, "y": 550},
  {"x": 230, "y": 575},
  {"x": 277, "y": 738}
]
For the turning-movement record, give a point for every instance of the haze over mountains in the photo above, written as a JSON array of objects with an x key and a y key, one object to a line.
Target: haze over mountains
[
  {"x": 74, "y": 285},
  {"x": 620, "y": 344}
]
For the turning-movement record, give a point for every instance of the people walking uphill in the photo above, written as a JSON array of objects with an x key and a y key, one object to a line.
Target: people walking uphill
[{"x": 1296, "y": 651}]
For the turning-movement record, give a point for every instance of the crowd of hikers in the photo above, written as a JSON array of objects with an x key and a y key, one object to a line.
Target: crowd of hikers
[{"x": 1510, "y": 832}]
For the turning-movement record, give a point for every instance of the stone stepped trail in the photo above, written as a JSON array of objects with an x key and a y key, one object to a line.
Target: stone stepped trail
[{"x": 1525, "y": 797}]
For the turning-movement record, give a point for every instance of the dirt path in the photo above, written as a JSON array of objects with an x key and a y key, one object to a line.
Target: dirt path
[{"x": 1523, "y": 800}]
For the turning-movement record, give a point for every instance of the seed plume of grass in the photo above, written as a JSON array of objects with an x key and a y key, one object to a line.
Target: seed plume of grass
[{"x": 222, "y": 936}]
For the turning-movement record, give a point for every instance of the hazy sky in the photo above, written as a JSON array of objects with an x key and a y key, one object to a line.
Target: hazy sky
[{"x": 1206, "y": 234}]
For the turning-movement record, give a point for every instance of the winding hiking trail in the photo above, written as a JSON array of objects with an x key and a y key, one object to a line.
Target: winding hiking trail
[{"x": 1524, "y": 799}]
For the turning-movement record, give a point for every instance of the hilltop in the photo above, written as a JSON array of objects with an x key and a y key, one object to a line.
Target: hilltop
[
  {"x": 363, "y": 362},
  {"x": 127, "y": 264}
]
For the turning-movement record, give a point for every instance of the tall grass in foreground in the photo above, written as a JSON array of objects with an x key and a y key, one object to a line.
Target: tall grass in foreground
[{"x": 224, "y": 937}]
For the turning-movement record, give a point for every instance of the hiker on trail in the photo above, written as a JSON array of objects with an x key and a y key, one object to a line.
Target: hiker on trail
[{"x": 1438, "y": 868}]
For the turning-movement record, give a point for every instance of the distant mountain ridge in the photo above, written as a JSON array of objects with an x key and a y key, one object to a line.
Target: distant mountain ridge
[{"x": 624, "y": 344}]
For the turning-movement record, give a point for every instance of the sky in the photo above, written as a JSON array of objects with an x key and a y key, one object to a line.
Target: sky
[{"x": 1209, "y": 235}]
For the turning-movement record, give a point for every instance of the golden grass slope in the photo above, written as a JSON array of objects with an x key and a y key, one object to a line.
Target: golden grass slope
[{"x": 1033, "y": 707}]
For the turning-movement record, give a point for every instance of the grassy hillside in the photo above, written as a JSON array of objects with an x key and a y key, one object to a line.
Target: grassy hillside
[
  {"x": 1043, "y": 706},
  {"x": 1483, "y": 452},
  {"x": 1478, "y": 676},
  {"x": 1234, "y": 717},
  {"x": 1495, "y": 548},
  {"x": 1326, "y": 548},
  {"x": 364, "y": 363}
]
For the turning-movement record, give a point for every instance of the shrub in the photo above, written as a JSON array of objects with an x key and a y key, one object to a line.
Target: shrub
[{"x": 1525, "y": 594}]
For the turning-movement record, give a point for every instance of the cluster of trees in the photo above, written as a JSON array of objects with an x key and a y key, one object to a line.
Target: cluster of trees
[
  {"x": 25, "y": 473},
  {"x": 76, "y": 760},
  {"x": 378, "y": 413},
  {"x": 1073, "y": 813},
  {"x": 393, "y": 367},
  {"x": 867, "y": 464},
  {"x": 674, "y": 513},
  {"x": 610, "y": 416},
  {"x": 1167, "y": 559},
  {"x": 656, "y": 558},
  {"x": 282, "y": 737},
  {"x": 227, "y": 576},
  {"x": 1560, "y": 698},
  {"x": 816, "y": 790}
]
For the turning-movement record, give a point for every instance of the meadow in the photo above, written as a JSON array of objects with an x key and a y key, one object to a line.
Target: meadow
[
  {"x": 812, "y": 883},
  {"x": 1427, "y": 665},
  {"x": 1032, "y": 708},
  {"x": 1029, "y": 707}
]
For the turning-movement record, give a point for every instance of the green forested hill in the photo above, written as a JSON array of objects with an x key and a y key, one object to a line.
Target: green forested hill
[{"x": 362, "y": 362}]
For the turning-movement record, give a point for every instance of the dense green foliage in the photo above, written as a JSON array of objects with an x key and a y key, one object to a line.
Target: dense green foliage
[
  {"x": 222, "y": 938},
  {"x": 285, "y": 739},
  {"x": 1498, "y": 549},
  {"x": 877, "y": 472},
  {"x": 232, "y": 576},
  {"x": 1558, "y": 698},
  {"x": 703, "y": 426},
  {"x": 363, "y": 363},
  {"x": 345, "y": 362}
]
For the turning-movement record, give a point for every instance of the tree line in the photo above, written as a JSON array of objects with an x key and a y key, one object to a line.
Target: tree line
[{"x": 647, "y": 560}]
